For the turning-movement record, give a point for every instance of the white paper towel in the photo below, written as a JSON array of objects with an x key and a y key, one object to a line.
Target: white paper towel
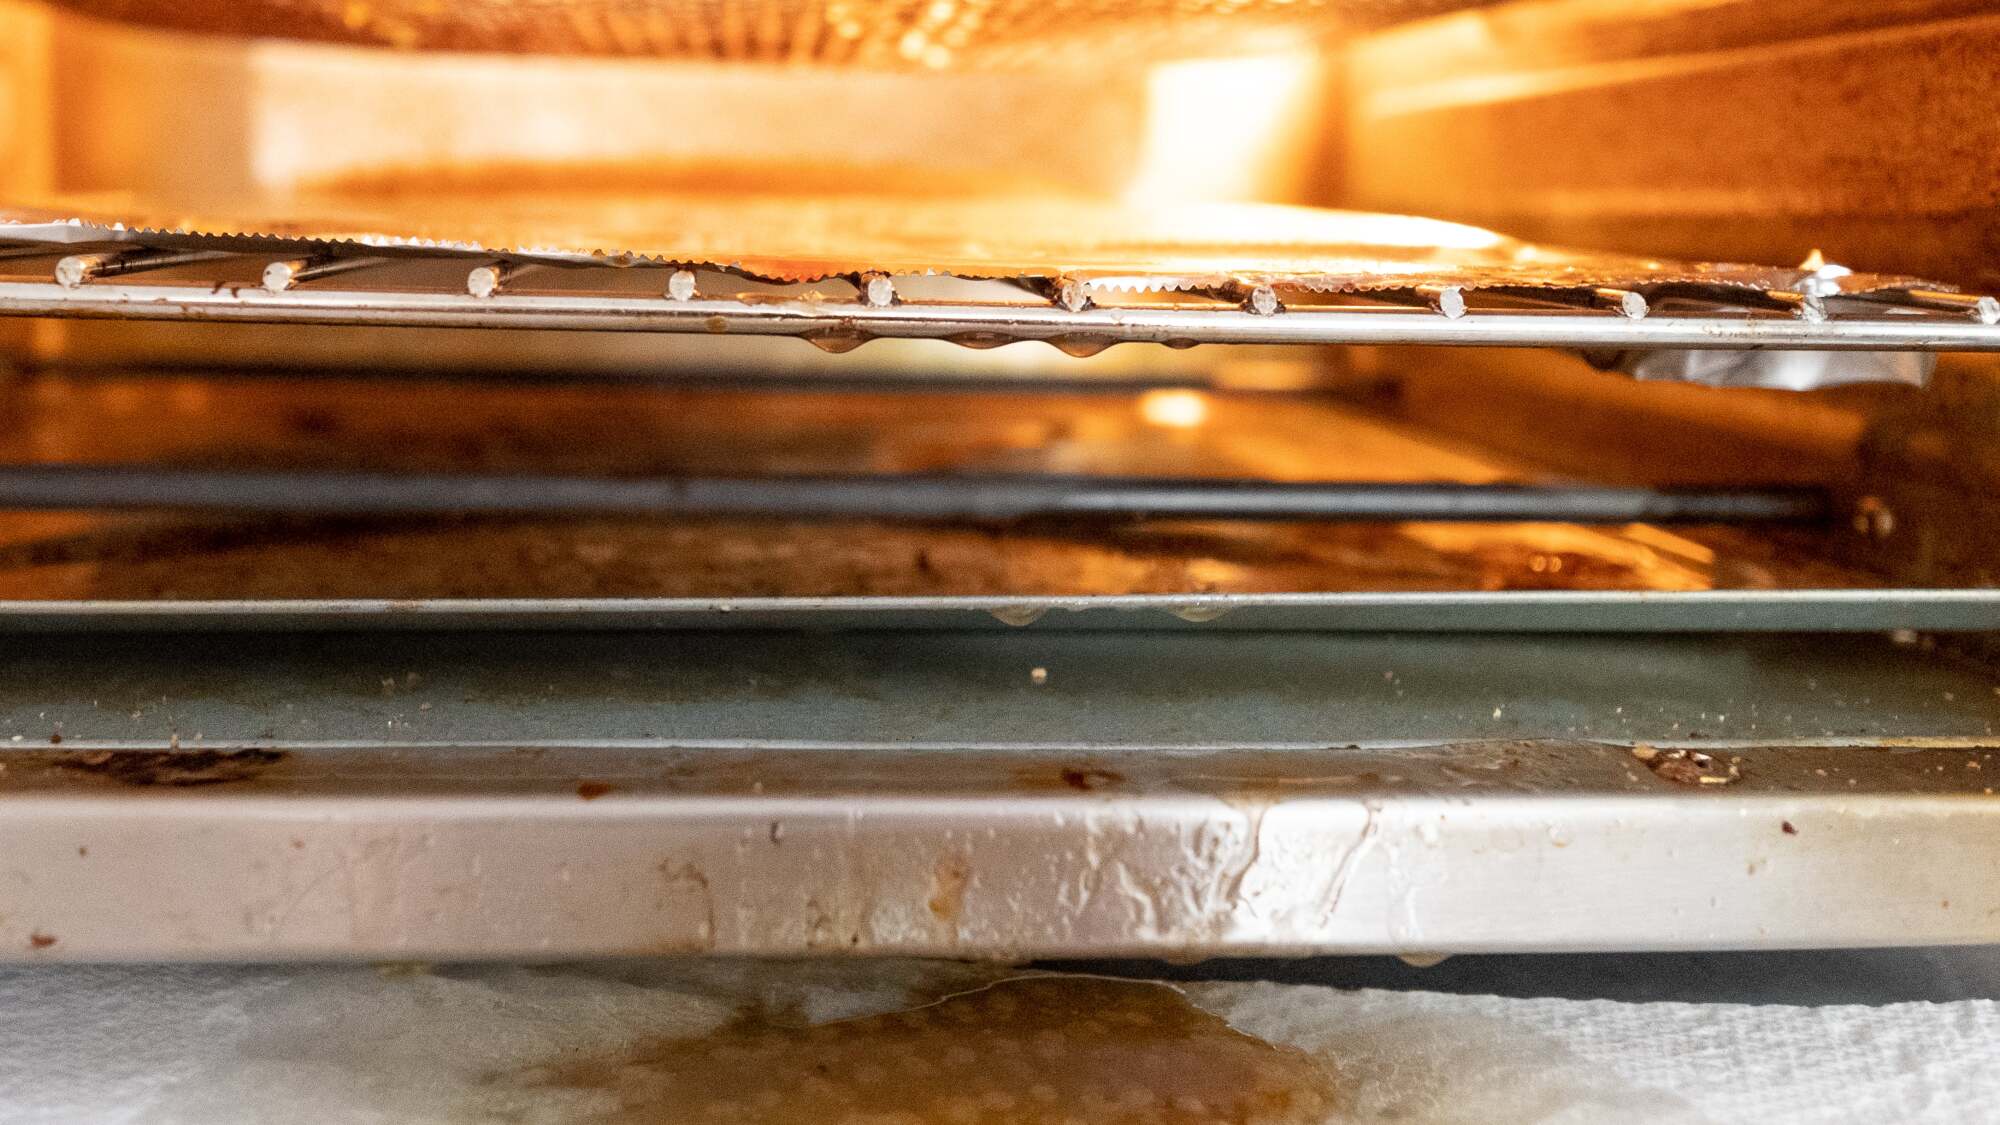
[{"x": 334, "y": 1045}]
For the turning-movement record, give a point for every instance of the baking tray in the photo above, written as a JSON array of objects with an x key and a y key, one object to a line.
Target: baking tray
[{"x": 557, "y": 796}]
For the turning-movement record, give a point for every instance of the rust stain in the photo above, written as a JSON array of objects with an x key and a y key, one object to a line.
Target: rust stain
[
  {"x": 592, "y": 790},
  {"x": 948, "y": 883},
  {"x": 40, "y": 940},
  {"x": 177, "y": 768},
  {"x": 1035, "y": 1051}
]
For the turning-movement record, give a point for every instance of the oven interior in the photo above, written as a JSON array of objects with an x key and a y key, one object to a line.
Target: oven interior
[{"x": 315, "y": 548}]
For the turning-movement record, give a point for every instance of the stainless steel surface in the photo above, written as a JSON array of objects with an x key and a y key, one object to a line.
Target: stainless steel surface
[
  {"x": 1517, "y": 611},
  {"x": 282, "y": 275},
  {"x": 976, "y": 690},
  {"x": 76, "y": 269},
  {"x": 1986, "y": 310},
  {"x": 568, "y": 796},
  {"x": 1777, "y": 369},
  {"x": 844, "y": 322},
  {"x": 889, "y": 495}
]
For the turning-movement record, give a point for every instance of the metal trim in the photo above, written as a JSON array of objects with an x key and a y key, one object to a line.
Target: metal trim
[
  {"x": 1581, "y": 611},
  {"x": 442, "y": 853}
]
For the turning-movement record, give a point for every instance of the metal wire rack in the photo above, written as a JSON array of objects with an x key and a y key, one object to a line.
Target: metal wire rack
[{"x": 448, "y": 289}]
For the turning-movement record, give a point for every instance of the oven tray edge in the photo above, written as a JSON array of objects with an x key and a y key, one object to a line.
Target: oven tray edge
[{"x": 1843, "y": 610}]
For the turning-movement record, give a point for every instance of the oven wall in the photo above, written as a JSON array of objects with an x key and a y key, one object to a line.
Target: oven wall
[{"x": 1749, "y": 129}]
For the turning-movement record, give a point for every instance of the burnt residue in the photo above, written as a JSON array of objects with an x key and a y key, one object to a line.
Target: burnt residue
[
  {"x": 1023, "y": 1052},
  {"x": 1689, "y": 767},
  {"x": 1090, "y": 779},
  {"x": 592, "y": 790},
  {"x": 1079, "y": 776},
  {"x": 175, "y": 768}
]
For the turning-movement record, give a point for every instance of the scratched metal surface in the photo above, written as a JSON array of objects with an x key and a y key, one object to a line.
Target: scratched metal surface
[
  {"x": 439, "y": 854},
  {"x": 946, "y": 689}
]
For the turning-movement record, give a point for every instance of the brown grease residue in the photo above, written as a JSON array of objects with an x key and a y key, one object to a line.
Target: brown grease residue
[
  {"x": 948, "y": 883},
  {"x": 1087, "y": 779},
  {"x": 1055, "y": 1050},
  {"x": 1081, "y": 777},
  {"x": 592, "y": 790},
  {"x": 180, "y": 768}
]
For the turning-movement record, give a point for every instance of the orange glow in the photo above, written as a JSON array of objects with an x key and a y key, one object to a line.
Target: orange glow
[
  {"x": 1199, "y": 146},
  {"x": 1180, "y": 410}
]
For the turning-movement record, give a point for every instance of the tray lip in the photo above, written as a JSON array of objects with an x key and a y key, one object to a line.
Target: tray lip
[
  {"x": 1638, "y": 863},
  {"x": 1796, "y": 610}
]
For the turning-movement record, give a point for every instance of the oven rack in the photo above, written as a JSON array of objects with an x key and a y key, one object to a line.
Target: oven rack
[{"x": 448, "y": 289}]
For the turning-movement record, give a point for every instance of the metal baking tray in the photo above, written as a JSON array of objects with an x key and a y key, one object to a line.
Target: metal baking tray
[{"x": 988, "y": 795}]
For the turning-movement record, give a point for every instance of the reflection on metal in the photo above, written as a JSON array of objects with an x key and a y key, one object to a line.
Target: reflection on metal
[
  {"x": 1784, "y": 370},
  {"x": 1985, "y": 310},
  {"x": 1518, "y": 611}
]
